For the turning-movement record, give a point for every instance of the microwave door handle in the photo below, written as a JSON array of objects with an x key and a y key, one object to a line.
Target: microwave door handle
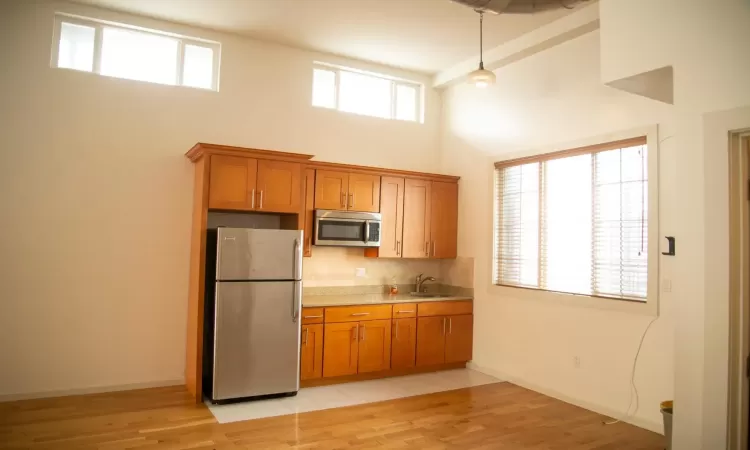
[{"x": 367, "y": 231}]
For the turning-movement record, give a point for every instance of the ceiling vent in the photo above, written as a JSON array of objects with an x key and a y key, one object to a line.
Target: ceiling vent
[{"x": 519, "y": 6}]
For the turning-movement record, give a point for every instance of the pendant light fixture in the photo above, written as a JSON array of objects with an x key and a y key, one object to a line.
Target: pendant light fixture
[{"x": 481, "y": 77}]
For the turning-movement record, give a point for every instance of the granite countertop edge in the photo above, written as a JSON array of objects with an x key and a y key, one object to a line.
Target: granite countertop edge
[{"x": 312, "y": 301}]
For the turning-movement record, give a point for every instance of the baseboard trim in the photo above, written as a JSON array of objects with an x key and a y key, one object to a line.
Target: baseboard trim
[
  {"x": 656, "y": 427},
  {"x": 90, "y": 390}
]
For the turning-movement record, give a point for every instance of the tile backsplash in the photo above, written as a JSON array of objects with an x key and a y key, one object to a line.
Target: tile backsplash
[{"x": 338, "y": 266}]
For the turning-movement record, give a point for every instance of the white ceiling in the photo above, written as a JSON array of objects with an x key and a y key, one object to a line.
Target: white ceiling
[{"x": 420, "y": 35}]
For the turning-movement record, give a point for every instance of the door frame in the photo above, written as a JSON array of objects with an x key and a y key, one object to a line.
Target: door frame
[{"x": 739, "y": 289}]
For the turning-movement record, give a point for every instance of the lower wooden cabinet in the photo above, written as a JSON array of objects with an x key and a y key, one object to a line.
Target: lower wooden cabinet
[
  {"x": 459, "y": 338},
  {"x": 444, "y": 339},
  {"x": 384, "y": 340},
  {"x": 374, "y": 346},
  {"x": 430, "y": 341},
  {"x": 311, "y": 352},
  {"x": 356, "y": 347},
  {"x": 404, "y": 343},
  {"x": 340, "y": 349}
]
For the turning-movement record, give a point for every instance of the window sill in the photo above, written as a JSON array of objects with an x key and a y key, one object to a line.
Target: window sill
[{"x": 647, "y": 308}]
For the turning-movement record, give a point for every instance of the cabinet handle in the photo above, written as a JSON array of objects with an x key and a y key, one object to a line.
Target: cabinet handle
[
  {"x": 450, "y": 325},
  {"x": 351, "y": 200},
  {"x": 398, "y": 248},
  {"x": 306, "y": 331},
  {"x": 356, "y": 332},
  {"x": 252, "y": 200},
  {"x": 261, "y": 199},
  {"x": 405, "y": 311},
  {"x": 427, "y": 249},
  {"x": 363, "y": 332},
  {"x": 312, "y": 317},
  {"x": 434, "y": 248},
  {"x": 396, "y": 325},
  {"x": 443, "y": 326},
  {"x": 361, "y": 314}
]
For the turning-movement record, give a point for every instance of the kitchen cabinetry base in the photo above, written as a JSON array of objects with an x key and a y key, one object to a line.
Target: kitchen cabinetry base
[{"x": 381, "y": 374}]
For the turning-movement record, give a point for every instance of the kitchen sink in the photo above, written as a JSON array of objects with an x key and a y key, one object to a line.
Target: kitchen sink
[{"x": 428, "y": 295}]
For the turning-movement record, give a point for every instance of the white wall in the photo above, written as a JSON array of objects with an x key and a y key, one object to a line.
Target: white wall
[
  {"x": 552, "y": 98},
  {"x": 706, "y": 42},
  {"x": 96, "y": 193},
  {"x": 559, "y": 96}
]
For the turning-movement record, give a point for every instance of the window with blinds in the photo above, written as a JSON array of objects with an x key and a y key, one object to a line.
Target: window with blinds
[{"x": 575, "y": 221}]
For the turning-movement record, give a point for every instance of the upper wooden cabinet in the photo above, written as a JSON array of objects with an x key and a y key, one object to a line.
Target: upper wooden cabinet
[
  {"x": 279, "y": 186},
  {"x": 344, "y": 191},
  {"x": 392, "y": 211},
  {"x": 309, "y": 210},
  {"x": 364, "y": 192},
  {"x": 232, "y": 182},
  {"x": 250, "y": 184},
  {"x": 420, "y": 219},
  {"x": 331, "y": 189},
  {"x": 443, "y": 220},
  {"x": 417, "y": 216}
]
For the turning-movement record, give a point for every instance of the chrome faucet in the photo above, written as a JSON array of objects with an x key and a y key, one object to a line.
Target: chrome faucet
[{"x": 421, "y": 281}]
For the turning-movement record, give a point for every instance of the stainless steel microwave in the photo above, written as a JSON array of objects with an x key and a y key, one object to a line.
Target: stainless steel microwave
[{"x": 347, "y": 228}]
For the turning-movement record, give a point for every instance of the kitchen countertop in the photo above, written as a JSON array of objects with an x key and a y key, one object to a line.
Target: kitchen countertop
[{"x": 309, "y": 301}]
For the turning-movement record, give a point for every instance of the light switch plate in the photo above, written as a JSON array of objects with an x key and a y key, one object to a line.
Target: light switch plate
[{"x": 360, "y": 272}]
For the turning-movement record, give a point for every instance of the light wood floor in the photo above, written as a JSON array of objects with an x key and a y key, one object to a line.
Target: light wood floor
[{"x": 496, "y": 416}]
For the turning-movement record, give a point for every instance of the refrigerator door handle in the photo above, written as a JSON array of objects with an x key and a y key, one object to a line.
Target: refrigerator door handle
[
  {"x": 296, "y": 260},
  {"x": 296, "y": 300}
]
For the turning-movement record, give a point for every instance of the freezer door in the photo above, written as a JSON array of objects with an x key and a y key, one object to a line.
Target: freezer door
[
  {"x": 249, "y": 254},
  {"x": 256, "y": 338}
]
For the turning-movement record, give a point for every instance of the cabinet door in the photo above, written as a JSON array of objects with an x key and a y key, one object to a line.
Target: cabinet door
[
  {"x": 404, "y": 343},
  {"x": 444, "y": 219},
  {"x": 309, "y": 210},
  {"x": 364, "y": 193},
  {"x": 311, "y": 352},
  {"x": 279, "y": 186},
  {"x": 416, "y": 219},
  {"x": 331, "y": 189},
  {"x": 340, "y": 349},
  {"x": 232, "y": 182},
  {"x": 374, "y": 345},
  {"x": 430, "y": 340},
  {"x": 459, "y": 338},
  {"x": 392, "y": 211}
]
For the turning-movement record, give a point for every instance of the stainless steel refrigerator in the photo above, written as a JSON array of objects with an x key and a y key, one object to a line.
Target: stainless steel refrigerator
[{"x": 254, "y": 330}]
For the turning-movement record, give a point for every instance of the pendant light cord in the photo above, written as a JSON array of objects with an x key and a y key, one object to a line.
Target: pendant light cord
[{"x": 481, "y": 19}]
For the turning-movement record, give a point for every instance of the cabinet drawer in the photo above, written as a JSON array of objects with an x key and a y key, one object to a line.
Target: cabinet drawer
[
  {"x": 444, "y": 308},
  {"x": 357, "y": 313},
  {"x": 312, "y": 315},
  {"x": 402, "y": 310}
]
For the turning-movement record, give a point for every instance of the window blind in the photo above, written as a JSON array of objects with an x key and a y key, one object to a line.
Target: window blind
[{"x": 575, "y": 221}]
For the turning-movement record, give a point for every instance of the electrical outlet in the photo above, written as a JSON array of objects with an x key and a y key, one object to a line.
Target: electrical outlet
[
  {"x": 360, "y": 272},
  {"x": 666, "y": 285},
  {"x": 577, "y": 362}
]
